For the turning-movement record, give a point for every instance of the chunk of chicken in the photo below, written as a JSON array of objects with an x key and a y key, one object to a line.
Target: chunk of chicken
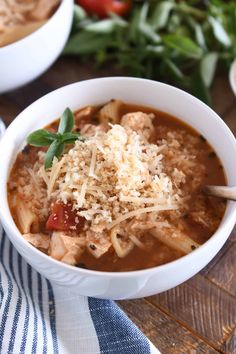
[
  {"x": 38, "y": 240},
  {"x": 66, "y": 248},
  {"x": 139, "y": 122},
  {"x": 89, "y": 130},
  {"x": 110, "y": 112},
  {"x": 97, "y": 243}
]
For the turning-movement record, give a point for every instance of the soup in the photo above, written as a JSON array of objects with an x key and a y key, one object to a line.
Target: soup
[
  {"x": 119, "y": 188},
  {"x": 20, "y": 18}
]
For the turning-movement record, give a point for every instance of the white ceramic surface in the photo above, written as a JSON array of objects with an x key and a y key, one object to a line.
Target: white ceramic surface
[
  {"x": 232, "y": 76},
  {"x": 163, "y": 97},
  {"x": 24, "y": 60}
]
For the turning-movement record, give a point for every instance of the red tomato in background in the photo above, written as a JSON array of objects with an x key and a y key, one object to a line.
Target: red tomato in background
[
  {"x": 103, "y": 7},
  {"x": 63, "y": 218}
]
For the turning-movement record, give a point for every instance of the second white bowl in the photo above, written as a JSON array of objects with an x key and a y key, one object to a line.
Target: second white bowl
[{"x": 24, "y": 60}]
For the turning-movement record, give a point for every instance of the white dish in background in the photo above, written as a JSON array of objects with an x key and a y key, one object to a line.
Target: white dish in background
[
  {"x": 27, "y": 58},
  {"x": 169, "y": 99},
  {"x": 232, "y": 76}
]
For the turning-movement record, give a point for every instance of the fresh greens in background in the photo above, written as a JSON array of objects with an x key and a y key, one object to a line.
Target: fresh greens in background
[
  {"x": 55, "y": 141},
  {"x": 179, "y": 42}
]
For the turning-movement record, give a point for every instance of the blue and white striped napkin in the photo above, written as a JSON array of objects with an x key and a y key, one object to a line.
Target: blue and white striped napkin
[{"x": 38, "y": 317}]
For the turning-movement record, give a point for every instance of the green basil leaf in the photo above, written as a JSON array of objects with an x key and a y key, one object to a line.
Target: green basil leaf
[
  {"x": 79, "y": 13},
  {"x": 119, "y": 21},
  {"x": 66, "y": 122},
  {"x": 183, "y": 45},
  {"x": 148, "y": 32},
  {"x": 55, "y": 149},
  {"x": 174, "y": 69},
  {"x": 155, "y": 49},
  {"x": 199, "y": 33},
  {"x": 161, "y": 13},
  {"x": 134, "y": 24},
  {"x": 219, "y": 32},
  {"x": 84, "y": 42},
  {"x": 71, "y": 137},
  {"x": 104, "y": 26},
  {"x": 191, "y": 10},
  {"x": 208, "y": 67},
  {"x": 144, "y": 12},
  {"x": 41, "y": 137}
]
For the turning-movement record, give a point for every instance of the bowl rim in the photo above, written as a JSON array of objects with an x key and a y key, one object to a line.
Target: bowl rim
[
  {"x": 127, "y": 274},
  {"x": 23, "y": 40},
  {"x": 232, "y": 76}
]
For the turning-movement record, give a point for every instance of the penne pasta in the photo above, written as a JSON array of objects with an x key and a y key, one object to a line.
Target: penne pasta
[
  {"x": 122, "y": 248},
  {"x": 176, "y": 240},
  {"x": 26, "y": 220}
]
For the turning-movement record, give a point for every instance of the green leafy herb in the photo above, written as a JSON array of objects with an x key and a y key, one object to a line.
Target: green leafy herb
[
  {"x": 66, "y": 122},
  {"x": 161, "y": 14},
  {"x": 55, "y": 141},
  {"x": 163, "y": 40},
  {"x": 41, "y": 137},
  {"x": 55, "y": 149},
  {"x": 208, "y": 67}
]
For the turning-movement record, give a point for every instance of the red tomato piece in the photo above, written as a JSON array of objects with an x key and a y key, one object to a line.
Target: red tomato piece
[
  {"x": 63, "y": 218},
  {"x": 103, "y": 7}
]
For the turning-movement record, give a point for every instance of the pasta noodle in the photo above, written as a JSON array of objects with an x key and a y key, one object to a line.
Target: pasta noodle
[
  {"x": 175, "y": 239},
  {"x": 122, "y": 248},
  {"x": 25, "y": 218}
]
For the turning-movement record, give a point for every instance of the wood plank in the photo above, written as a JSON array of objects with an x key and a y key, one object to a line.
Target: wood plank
[
  {"x": 219, "y": 255},
  {"x": 166, "y": 334},
  {"x": 8, "y": 109},
  {"x": 232, "y": 237},
  {"x": 223, "y": 273},
  {"x": 230, "y": 119},
  {"x": 229, "y": 346},
  {"x": 201, "y": 306},
  {"x": 26, "y": 95},
  {"x": 63, "y": 72},
  {"x": 70, "y": 69}
]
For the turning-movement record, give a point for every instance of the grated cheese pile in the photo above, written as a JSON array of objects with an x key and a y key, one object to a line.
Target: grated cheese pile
[{"x": 112, "y": 176}]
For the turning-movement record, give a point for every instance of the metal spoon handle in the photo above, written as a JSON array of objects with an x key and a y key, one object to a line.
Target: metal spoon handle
[{"x": 221, "y": 192}]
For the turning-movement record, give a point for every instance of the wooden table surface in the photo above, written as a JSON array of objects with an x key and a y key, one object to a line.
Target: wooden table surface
[{"x": 198, "y": 316}]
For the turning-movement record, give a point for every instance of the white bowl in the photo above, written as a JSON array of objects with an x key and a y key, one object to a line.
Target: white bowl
[
  {"x": 24, "y": 60},
  {"x": 144, "y": 92}
]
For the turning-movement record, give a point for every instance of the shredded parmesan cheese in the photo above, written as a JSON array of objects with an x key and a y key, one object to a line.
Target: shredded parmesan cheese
[
  {"x": 138, "y": 212},
  {"x": 82, "y": 194},
  {"x": 93, "y": 162},
  {"x": 110, "y": 173},
  {"x": 141, "y": 200},
  {"x": 54, "y": 175}
]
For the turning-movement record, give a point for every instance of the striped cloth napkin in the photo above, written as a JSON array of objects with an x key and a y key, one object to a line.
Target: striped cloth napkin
[{"x": 39, "y": 317}]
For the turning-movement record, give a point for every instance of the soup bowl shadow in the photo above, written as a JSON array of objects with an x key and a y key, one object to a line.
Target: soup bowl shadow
[
  {"x": 24, "y": 60},
  {"x": 122, "y": 285}
]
